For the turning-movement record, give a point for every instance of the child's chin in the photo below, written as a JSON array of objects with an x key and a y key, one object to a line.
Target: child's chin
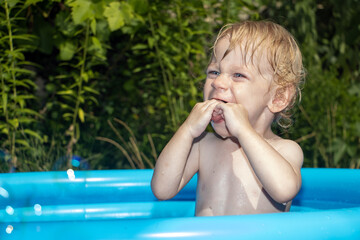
[{"x": 221, "y": 129}]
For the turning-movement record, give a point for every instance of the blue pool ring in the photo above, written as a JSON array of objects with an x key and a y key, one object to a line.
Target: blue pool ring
[{"x": 119, "y": 204}]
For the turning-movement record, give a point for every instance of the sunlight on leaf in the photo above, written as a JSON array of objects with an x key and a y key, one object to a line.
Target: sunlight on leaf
[
  {"x": 81, "y": 10},
  {"x": 81, "y": 115},
  {"x": 66, "y": 92},
  {"x": 114, "y": 16}
]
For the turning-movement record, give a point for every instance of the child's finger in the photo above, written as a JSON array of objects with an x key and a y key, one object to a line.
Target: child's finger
[
  {"x": 220, "y": 107},
  {"x": 218, "y": 110},
  {"x": 211, "y": 104}
]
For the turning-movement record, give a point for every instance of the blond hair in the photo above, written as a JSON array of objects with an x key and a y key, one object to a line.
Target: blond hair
[{"x": 282, "y": 51}]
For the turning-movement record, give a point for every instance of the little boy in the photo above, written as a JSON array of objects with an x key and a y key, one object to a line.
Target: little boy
[{"x": 243, "y": 168}]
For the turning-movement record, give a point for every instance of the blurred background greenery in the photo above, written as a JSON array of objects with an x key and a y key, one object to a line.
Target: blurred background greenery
[{"x": 103, "y": 84}]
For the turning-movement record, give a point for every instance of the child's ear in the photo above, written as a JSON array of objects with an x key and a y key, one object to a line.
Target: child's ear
[{"x": 281, "y": 98}]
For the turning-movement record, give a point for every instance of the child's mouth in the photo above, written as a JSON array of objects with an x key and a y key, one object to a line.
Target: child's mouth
[
  {"x": 217, "y": 118},
  {"x": 220, "y": 100}
]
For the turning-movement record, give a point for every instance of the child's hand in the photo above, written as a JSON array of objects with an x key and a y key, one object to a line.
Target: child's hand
[
  {"x": 200, "y": 117},
  {"x": 235, "y": 115}
]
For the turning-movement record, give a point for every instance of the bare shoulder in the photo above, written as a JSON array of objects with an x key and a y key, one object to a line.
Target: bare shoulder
[{"x": 289, "y": 149}]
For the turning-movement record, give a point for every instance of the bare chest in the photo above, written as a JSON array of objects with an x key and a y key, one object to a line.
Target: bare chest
[{"x": 227, "y": 185}]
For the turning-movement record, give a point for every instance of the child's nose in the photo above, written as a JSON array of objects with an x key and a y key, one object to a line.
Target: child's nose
[{"x": 221, "y": 82}]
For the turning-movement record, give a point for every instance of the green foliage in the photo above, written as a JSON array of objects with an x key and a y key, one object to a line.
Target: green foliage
[
  {"x": 17, "y": 85},
  {"x": 328, "y": 124},
  {"x": 131, "y": 148},
  {"x": 69, "y": 66},
  {"x": 79, "y": 32},
  {"x": 173, "y": 43}
]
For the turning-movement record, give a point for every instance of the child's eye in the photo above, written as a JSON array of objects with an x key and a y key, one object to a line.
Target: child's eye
[
  {"x": 212, "y": 72},
  {"x": 239, "y": 75}
]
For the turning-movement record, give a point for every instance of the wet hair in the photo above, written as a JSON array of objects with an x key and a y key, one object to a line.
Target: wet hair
[{"x": 281, "y": 50}]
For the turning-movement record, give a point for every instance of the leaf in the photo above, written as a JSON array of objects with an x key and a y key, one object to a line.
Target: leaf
[
  {"x": 150, "y": 109},
  {"x": 96, "y": 42},
  {"x": 65, "y": 106},
  {"x": 81, "y": 115},
  {"x": 139, "y": 46},
  {"x": 67, "y": 50},
  {"x": 22, "y": 142},
  {"x": 21, "y": 102},
  {"x": 64, "y": 25},
  {"x": 81, "y": 99},
  {"x": 21, "y": 70},
  {"x": 34, "y": 134},
  {"x": 114, "y": 16},
  {"x": 66, "y": 92},
  {"x": 140, "y": 6},
  {"x": 81, "y": 11},
  {"x": 151, "y": 42},
  {"x": 26, "y": 120},
  {"x": 67, "y": 116},
  {"x": 14, "y": 123},
  {"x": 16, "y": 54},
  {"x": 27, "y": 83},
  {"x": 25, "y": 37},
  {"x": 127, "y": 11},
  {"x": 28, "y": 111},
  {"x": 24, "y": 97},
  {"x": 93, "y": 100},
  {"x": 93, "y": 26},
  {"x": 12, "y": 3},
  {"x": 85, "y": 76},
  {"x": 4, "y": 130},
  {"x": 89, "y": 89}
]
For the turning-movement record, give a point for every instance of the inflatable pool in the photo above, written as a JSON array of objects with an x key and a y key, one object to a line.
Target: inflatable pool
[{"x": 119, "y": 204}]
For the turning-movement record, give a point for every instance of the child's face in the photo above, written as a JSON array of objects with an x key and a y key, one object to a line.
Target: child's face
[{"x": 231, "y": 79}]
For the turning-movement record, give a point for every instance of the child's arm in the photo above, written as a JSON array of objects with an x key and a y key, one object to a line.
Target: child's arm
[
  {"x": 179, "y": 160},
  {"x": 277, "y": 169}
]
